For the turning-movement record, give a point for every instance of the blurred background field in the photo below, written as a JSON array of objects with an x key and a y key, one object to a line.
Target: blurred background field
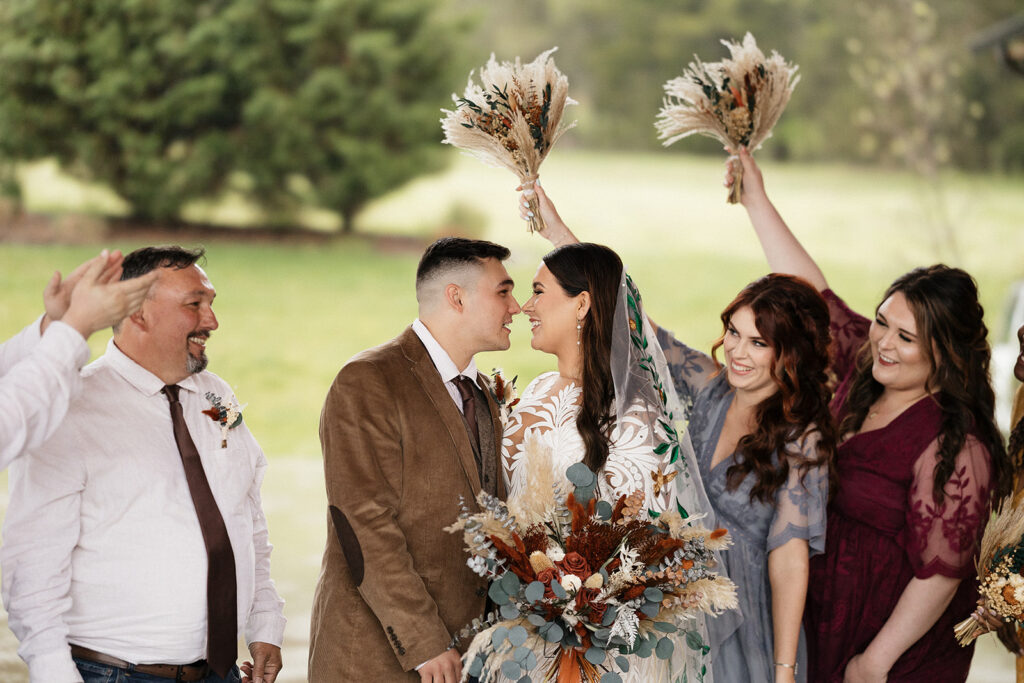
[
  {"x": 299, "y": 142},
  {"x": 292, "y": 313}
]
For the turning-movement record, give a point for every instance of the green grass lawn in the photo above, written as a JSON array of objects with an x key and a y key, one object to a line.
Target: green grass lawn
[{"x": 291, "y": 314}]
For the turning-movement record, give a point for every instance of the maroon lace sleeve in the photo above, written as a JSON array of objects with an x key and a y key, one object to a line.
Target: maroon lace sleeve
[
  {"x": 943, "y": 538},
  {"x": 849, "y": 332}
]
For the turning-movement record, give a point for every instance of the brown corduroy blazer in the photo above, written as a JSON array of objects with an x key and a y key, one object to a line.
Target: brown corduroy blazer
[{"x": 394, "y": 586}]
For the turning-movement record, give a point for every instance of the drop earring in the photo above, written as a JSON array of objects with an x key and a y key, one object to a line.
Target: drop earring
[{"x": 579, "y": 331}]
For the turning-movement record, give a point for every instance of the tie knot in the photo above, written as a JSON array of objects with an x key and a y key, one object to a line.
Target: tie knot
[
  {"x": 465, "y": 387},
  {"x": 171, "y": 391}
]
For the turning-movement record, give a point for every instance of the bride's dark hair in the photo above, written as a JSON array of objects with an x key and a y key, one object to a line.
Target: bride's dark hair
[
  {"x": 593, "y": 268},
  {"x": 792, "y": 318}
]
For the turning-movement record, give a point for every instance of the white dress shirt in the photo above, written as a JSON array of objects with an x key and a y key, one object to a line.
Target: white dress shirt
[
  {"x": 38, "y": 378},
  {"x": 102, "y": 546},
  {"x": 444, "y": 363}
]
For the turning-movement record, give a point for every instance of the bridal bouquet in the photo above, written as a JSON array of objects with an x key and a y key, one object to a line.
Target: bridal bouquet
[
  {"x": 512, "y": 118},
  {"x": 736, "y": 101},
  {"x": 1000, "y": 570},
  {"x": 580, "y": 583}
]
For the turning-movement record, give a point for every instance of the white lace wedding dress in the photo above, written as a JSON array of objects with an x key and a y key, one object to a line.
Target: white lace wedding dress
[
  {"x": 546, "y": 416},
  {"x": 549, "y": 416}
]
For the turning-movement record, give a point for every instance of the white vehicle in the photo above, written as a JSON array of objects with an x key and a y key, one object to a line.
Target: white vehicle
[{"x": 1005, "y": 349}]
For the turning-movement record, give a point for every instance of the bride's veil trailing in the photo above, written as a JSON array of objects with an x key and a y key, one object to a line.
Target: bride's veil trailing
[
  {"x": 644, "y": 390},
  {"x": 642, "y": 378}
]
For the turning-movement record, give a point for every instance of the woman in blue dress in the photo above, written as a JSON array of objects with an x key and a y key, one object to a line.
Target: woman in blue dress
[{"x": 764, "y": 437}]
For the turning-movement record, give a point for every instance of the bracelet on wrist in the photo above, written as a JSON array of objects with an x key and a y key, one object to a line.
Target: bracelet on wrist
[{"x": 794, "y": 667}]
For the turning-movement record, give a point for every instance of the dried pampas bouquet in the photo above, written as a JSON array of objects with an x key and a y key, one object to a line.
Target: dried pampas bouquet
[
  {"x": 1000, "y": 570},
  {"x": 737, "y": 101},
  {"x": 512, "y": 118}
]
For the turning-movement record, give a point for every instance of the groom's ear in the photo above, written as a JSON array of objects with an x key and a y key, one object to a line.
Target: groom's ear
[
  {"x": 582, "y": 305},
  {"x": 453, "y": 296}
]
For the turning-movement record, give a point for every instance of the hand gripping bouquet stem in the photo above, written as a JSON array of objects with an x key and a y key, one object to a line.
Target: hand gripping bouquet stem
[
  {"x": 736, "y": 101},
  {"x": 512, "y": 118}
]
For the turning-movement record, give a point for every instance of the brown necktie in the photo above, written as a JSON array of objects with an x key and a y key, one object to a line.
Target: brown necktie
[
  {"x": 221, "y": 590},
  {"x": 465, "y": 387}
]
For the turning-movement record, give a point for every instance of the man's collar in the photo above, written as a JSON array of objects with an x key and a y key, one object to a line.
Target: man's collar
[
  {"x": 442, "y": 361},
  {"x": 139, "y": 377}
]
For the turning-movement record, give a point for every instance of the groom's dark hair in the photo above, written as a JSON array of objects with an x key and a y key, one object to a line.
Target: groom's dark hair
[{"x": 453, "y": 252}]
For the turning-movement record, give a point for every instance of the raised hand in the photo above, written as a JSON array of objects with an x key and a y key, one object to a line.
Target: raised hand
[
  {"x": 556, "y": 232},
  {"x": 753, "y": 181},
  {"x": 93, "y": 298}
]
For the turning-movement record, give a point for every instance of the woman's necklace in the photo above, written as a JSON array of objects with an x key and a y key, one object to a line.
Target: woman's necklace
[{"x": 902, "y": 406}]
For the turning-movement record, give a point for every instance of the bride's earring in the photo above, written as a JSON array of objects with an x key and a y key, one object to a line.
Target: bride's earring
[{"x": 579, "y": 331}]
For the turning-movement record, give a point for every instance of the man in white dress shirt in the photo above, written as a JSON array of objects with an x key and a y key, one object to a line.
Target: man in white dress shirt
[
  {"x": 107, "y": 541},
  {"x": 39, "y": 366}
]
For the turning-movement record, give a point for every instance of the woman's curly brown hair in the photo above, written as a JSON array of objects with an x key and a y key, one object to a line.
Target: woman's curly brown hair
[{"x": 792, "y": 317}]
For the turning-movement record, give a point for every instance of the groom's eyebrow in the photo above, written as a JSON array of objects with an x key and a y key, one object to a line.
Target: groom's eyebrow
[{"x": 507, "y": 283}]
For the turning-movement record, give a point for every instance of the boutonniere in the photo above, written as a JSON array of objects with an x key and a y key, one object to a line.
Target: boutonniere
[
  {"x": 505, "y": 395},
  {"x": 227, "y": 416}
]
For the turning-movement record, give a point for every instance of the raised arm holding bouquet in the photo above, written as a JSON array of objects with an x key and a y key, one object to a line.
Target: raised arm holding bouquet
[
  {"x": 736, "y": 101},
  {"x": 512, "y": 118}
]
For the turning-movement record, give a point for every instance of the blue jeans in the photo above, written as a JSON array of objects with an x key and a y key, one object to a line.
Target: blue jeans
[{"x": 104, "y": 673}]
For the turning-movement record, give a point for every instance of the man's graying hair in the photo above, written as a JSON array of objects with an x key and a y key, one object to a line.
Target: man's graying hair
[
  {"x": 451, "y": 253},
  {"x": 142, "y": 261}
]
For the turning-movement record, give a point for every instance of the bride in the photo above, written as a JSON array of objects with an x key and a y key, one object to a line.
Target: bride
[{"x": 603, "y": 406}]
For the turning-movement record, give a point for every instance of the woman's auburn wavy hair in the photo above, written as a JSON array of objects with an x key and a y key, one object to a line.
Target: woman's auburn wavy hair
[
  {"x": 596, "y": 269},
  {"x": 793, "y": 319},
  {"x": 953, "y": 337}
]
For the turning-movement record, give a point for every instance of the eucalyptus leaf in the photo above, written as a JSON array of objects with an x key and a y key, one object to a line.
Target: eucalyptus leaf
[
  {"x": 611, "y": 677},
  {"x": 498, "y": 637},
  {"x": 510, "y": 583},
  {"x": 509, "y": 611},
  {"x": 694, "y": 640},
  {"x": 511, "y": 670},
  {"x": 534, "y": 591},
  {"x": 594, "y": 655},
  {"x": 477, "y": 667},
  {"x": 517, "y": 636},
  {"x": 558, "y": 590},
  {"x": 498, "y": 594},
  {"x": 665, "y": 648},
  {"x": 623, "y": 663},
  {"x": 604, "y": 509},
  {"x": 665, "y": 627},
  {"x": 651, "y": 609},
  {"x": 551, "y": 632},
  {"x": 531, "y": 660},
  {"x": 580, "y": 475},
  {"x": 536, "y": 619},
  {"x": 610, "y": 615},
  {"x": 654, "y": 595},
  {"x": 519, "y": 654}
]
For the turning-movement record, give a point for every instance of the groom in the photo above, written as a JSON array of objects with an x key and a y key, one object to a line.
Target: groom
[{"x": 407, "y": 428}]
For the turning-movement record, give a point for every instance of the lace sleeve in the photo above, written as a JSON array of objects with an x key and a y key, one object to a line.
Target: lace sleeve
[
  {"x": 942, "y": 538},
  {"x": 800, "y": 503},
  {"x": 849, "y": 332},
  {"x": 691, "y": 370}
]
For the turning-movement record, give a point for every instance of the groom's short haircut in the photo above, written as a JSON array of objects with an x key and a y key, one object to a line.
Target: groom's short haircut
[{"x": 443, "y": 260}]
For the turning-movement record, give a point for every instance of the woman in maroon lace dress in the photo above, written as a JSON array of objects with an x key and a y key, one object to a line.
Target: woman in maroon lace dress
[{"x": 918, "y": 465}]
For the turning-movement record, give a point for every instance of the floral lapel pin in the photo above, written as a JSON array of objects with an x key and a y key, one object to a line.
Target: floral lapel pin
[
  {"x": 227, "y": 416},
  {"x": 505, "y": 395}
]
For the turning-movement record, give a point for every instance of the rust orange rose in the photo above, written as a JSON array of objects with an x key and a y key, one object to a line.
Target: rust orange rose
[
  {"x": 574, "y": 563},
  {"x": 597, "y": 610},
  {"x": 584, "y": 596},
  {"x": 546, "y": 576}
]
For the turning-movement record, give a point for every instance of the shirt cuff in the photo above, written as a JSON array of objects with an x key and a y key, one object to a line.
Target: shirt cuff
[
  {"x": 66, "y": 343},
  {"x": 54, "y": 667},
  {"x": 266, "y": 627}
]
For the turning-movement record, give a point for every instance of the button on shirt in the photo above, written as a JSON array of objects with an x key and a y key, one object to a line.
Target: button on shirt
[
  {"x": 38, "y": 378},
  {"x": 444, "y": 364},
  {"x": 102, "y": 546}
]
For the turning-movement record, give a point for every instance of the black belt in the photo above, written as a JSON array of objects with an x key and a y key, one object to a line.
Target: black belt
[{"x": 175, "y": 672}]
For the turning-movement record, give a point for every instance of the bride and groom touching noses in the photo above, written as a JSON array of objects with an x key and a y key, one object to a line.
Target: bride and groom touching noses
[{"x": 408, "y": 428}]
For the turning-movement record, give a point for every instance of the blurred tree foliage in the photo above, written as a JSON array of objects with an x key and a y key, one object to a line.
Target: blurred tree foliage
[
  {"x": 290, "y": 102},
  {"x": 879, "y": 78}
]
